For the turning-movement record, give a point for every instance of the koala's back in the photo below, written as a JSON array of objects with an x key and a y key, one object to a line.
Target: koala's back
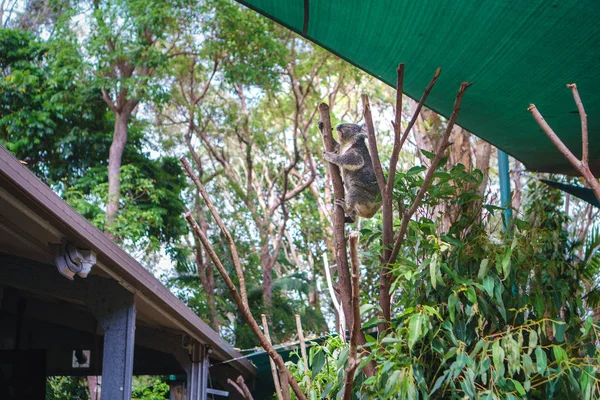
[{"x": 361, "y": 184}]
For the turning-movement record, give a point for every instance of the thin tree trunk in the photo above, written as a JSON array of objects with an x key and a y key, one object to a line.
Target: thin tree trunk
[
  {"x": 267, "y": 273},
  {"x": 516, "y": 199},
  {"x": 115, "y": 159},
  {"x": 483, "y": 151},
  {"x": 205, "y": 272},
  {"x": 460, "y": 152}
]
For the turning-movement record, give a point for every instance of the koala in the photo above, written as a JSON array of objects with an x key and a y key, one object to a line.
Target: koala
[{"x": 360, "y": 184}]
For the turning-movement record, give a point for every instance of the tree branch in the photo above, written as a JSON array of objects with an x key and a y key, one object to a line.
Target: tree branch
[
  {"x": 430, "y": 171},
  {"x": 265, "y": 325},
  {"x": 302, "y": 346},
  {"x": 352, "y": 356},
  {"x": 108, "y": 100},
  {"x": 584, "y": 129},
  {"x": 397, "y": 128},
  {"x": 217, "y": 218},
  {"x": 415, "y": 116},
  {"x": 580, "y": 166},
  {"x": 242, "y": 306},
  {"x": 373, "y": 144},
  {"x": 207, "y": 84},
  {"x": 339, "y": 238}
]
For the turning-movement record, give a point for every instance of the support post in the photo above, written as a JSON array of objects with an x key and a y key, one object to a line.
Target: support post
[
  {"x": 116, "y": 313},
  {"x": 504, "y": 186},
  {"x": 197, "y": 383}
]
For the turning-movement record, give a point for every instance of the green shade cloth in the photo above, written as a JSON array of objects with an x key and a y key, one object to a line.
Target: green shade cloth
[
  {"x": 515, "y": 52},
  {"x": 584, "y": 194}
]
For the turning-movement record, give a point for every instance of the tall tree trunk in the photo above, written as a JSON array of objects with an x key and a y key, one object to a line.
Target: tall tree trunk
[{"x": 114, "y": 170}]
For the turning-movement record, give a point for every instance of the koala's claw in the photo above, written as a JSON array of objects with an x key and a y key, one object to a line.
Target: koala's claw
[
  {"x": 341, "y": 203},
  {"x": 321, "y": 125}
]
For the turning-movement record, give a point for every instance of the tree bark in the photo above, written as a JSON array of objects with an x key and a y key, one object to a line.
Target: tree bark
[
  {"x": 115, "y": 159},
  {"x": 483, "y": 151},
  {"x": 339, "y": 238},
  {"x": 206, "y": 274},
  {"x": 460, "y": 152},
  {"x": 267, "y": 273}
]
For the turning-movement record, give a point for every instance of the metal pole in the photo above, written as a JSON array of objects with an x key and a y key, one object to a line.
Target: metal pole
[{"x": 504, "y": 186}]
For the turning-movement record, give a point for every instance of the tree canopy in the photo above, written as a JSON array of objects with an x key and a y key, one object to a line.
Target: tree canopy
[{"x": 101, "y": 98}]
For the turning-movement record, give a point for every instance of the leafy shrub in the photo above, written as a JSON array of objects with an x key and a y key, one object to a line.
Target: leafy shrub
[{"x": 479, "y": 314}]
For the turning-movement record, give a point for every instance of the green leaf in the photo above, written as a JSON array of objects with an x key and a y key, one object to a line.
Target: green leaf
[
  {"x": 519, "y": 387},
  {"x": 452, "y": 302},
  {"x": 416, "y": 170},
  {"x": 533, "y": 338},
  {"x": 428, "y": 154},
  {"x": 540, "y": 360},
  {"x": 431, "y": 311},
  {"x": 506, "y": 264},
  {"x": 498, "y": 289},
  {"x": 433, "y": 270},
  {"x": 483, "y": 269},
  {"x": 318, "y": 362},
  {"x": 343, "y": 357},
  {"x": 438, "y": 382},
  {"x": 365, "y": 308},
  {"x": 393, "y": 380},
  {"x": 559, "y": 331},
  {"x": 498, "y": 358},
  {"x": 527, "y": 364},
  {"x": 488, "y": 284},
  {"x": 559, "y": 354},
  {"x": 470, "y": 293},
  {"x": 415, "y": 329}
]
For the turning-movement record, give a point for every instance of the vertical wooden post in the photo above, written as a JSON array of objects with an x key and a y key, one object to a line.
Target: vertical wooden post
[{"x": 116, "y": 313}]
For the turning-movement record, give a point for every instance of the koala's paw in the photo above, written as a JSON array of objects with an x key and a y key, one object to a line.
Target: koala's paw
[
  {"x": 329, "y": 156},
  {"x": 321, "y": 125}
]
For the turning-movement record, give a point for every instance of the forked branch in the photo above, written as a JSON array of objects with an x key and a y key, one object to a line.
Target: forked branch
[
  {"x": 388, "y": 188},
  {"x": 241, "y": 387},
  {"x": 445, "y": 142},
  {"x": 582, "y": 166}
]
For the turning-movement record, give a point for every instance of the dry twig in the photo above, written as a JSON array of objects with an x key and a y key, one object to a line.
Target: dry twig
[{"x": 241, "y": 387}]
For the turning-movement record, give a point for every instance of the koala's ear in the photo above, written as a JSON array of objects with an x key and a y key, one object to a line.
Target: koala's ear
[{"x": 363, "y": 127}]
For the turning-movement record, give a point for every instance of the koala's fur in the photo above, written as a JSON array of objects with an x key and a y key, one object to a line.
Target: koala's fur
[{"x": 360, "y": 184}]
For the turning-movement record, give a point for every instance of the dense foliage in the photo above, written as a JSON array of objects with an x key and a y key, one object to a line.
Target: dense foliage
[
  {"x": 52, "y": 120},
  {"x": 480, "y": 314}
]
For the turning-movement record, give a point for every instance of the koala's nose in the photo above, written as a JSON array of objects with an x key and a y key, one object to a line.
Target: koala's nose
[{"x": 339, "y": 127}]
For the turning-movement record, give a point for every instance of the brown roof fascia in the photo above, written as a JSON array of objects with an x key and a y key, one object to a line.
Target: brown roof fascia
[{"x": 41, "y": 199}]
